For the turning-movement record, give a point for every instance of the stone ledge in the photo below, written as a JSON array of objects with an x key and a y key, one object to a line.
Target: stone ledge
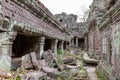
[{"x": 87, "y": 59}]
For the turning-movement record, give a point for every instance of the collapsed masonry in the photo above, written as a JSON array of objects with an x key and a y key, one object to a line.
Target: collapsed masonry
[
  {"x": 104, "y": 36},
  {"x": 27, "y": 26}
]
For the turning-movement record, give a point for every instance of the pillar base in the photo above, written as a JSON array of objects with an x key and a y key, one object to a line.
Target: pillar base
[{"x": 5, "y": 63}]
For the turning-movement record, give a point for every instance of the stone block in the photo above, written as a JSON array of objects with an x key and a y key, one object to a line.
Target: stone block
[
  {"x": 71, "y": 67},
  {"x": 26, "y": 62},
  {"x": 43, "y": 63},
  {"x": 34, "y": 59},
  {"x": 16, "y": 63},
  {"x": 36, "y": 75},
  {"x": 52, "y": 71},
  {"x": 68, "y": 60}
]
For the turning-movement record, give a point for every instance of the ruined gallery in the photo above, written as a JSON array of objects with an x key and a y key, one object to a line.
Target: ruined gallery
[{"x": 37, "y": 45}]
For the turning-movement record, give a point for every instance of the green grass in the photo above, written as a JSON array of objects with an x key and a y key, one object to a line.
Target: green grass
[{"x": 101, "y": 76}]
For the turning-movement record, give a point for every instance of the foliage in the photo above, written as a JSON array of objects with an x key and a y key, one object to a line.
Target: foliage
[
  {"x": 86, "y": 13},
  {"x": 59, "y": 52},
  {"x": 101, "y": 76},
  {"x": 65, "y": 75},
  {"x": 18, "y": 78}
]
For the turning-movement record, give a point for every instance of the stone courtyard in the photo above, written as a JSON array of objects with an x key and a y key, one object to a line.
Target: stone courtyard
[{"x": 37, "y": 45}]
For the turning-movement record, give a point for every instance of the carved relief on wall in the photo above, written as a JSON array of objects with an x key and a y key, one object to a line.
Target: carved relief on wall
[
  {"x": 116, "y": 38},
  {"x": 106, "y": 46},
  {"x": 116, "y": 48}
]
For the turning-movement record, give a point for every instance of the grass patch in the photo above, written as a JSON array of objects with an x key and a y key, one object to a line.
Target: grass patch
[
  {"x": 101, "y": 76},
  {"x": 65, "y": 75}
]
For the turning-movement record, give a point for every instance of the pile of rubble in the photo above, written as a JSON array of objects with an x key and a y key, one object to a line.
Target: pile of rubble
[
  {"x": 52, "y": 67},
  {"x": 73, "y": 64}
]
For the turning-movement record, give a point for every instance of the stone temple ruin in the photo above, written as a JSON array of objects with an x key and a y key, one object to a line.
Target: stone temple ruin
[
  {"x": 103, "y": 36},
  {"x": 27, "y": 26},
  {"x": 31, "y": 37},
  {"x": 77, "y": 28}
]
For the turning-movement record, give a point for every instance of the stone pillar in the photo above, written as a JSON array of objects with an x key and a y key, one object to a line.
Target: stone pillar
[
  {"x": 61, "y": 46},
  {"x": 41, "y": 44},
  {"x": 54, "y": 45},
  {"x": 6, "y": 41},
  {"x": 76, "y": 40},
  {"x": 72, "y": 41}
]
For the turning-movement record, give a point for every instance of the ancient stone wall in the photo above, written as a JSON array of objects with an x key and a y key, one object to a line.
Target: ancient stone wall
[
  {"x": 22, "y": 14},
  {"x": 78, "y": 29},
  {"x": 97, "y": 10},
  {"x": 108, "y": 27},
  {"x": 27, "y": 24},
  {"x": 71, "y": 22}
]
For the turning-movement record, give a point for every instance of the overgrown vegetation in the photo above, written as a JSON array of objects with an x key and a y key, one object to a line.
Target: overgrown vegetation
[
  {"x": 101, "y": 76},
  {"x": 59, "y": 52},
  {"x": 65, "y": 75}
]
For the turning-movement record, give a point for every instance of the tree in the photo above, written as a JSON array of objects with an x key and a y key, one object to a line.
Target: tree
[{"x": 85, "y": 15}]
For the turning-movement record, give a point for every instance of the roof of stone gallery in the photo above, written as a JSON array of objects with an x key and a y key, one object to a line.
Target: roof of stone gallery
[{"x": 14, "y": 11}]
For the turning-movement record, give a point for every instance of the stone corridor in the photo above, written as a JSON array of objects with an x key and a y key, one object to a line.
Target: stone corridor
[{"x": 37, "y": 45}]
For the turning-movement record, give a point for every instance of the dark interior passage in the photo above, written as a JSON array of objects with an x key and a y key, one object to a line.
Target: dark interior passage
[
  {"x": 47, "y": 45},
  {"x": 81, "y": 43},
  {"x": 64, "y": 45},
  {"x": 74, "y": 41},
  {"x": 23, "y": 45}
]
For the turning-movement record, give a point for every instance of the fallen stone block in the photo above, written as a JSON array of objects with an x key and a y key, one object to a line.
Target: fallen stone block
[
  {"x": 74, "y": 71},
  {"x": 71, "y": 67},
  {"x": 26, "y": 62},
  {"x": 33, "y": 75},
  {"x": 50, "y": 58},
  {"x": 34, "y": 59},
  {"x": 30, "y": 61},
  {"x": 69, "y": 60},
  {"x": 42, "y": 63},
  {"x": 89, "y": 60},
  {"x": 16, "y": 63},
  {"x": 50, "y": 70}
]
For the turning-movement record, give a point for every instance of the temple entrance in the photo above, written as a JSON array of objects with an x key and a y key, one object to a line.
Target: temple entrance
[
  {"x": 74, "y": 41},
  {"x": 64, "y": 45},
  {"x": 47, "y": 45},
  {"x": 23, "y": 45}
]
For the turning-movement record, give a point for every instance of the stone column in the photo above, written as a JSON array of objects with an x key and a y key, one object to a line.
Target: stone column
[
  {"x": 6, "y": 41},
  {"x": 76, "y": 40},
  {"x": 61, "y": 46},
  {"x": 54, "y": 45},
  {"x": 41, "y": 44},
  {"x": 72, "y": 41}
]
